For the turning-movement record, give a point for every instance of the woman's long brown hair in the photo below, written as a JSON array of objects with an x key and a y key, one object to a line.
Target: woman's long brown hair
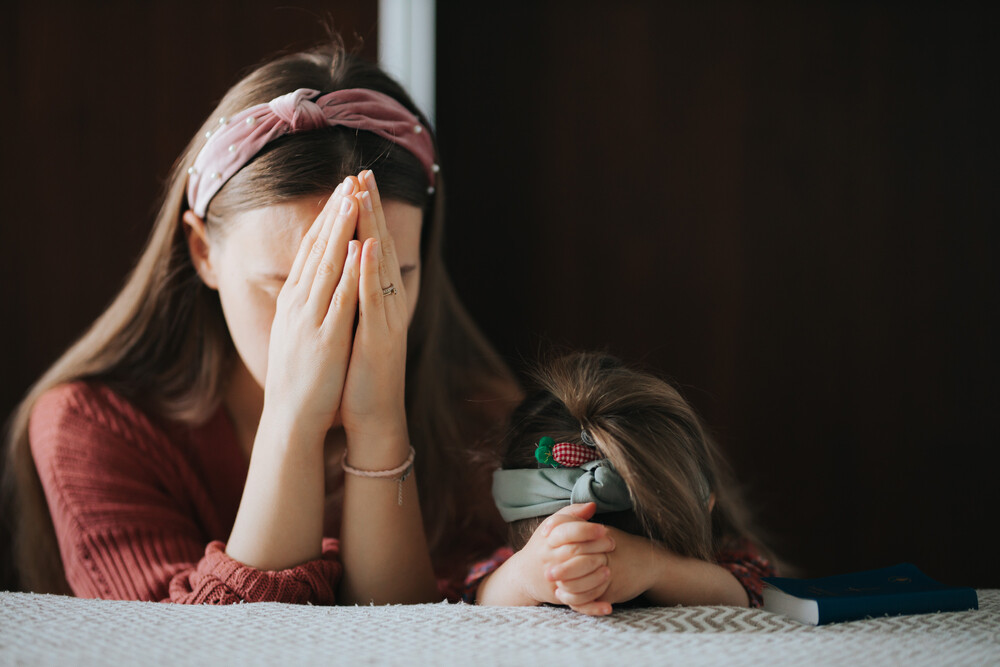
[
  {"x": 651, "y": 436},
  {"x": 164, "y": 344}
]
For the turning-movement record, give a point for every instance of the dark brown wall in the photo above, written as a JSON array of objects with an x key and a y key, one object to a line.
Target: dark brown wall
[{"x": 790, "y": 212}]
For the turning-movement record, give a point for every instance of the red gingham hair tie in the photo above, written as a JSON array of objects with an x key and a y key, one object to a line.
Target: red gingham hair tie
[{"x": 571, "y": 455}]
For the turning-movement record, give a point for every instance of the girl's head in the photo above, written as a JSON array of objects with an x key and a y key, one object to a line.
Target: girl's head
[
  {"x": 675, "y": 478},
  {"x": 200, "y": 302}
]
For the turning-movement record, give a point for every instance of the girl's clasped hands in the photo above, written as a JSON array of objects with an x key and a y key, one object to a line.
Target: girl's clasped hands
[{"x": 587, "y": 566}]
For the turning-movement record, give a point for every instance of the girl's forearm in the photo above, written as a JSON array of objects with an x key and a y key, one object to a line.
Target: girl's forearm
[
  {"x": 690, "y": 581},
  {"x": 383, "y": 546},
  {"x": 280, "y": 520},
  {"x": 504, "y": 587}
]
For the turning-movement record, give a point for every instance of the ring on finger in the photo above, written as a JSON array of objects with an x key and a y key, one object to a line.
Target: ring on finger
[{"x": 391, "y": 289}]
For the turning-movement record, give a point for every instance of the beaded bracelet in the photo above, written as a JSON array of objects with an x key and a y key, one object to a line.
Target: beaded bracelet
[{"x": 402, "y": 470}]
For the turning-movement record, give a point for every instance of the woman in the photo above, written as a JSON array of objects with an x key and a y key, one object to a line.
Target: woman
[{"x": 190, "y": 447}]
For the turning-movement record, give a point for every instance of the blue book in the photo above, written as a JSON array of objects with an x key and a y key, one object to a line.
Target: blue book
[{"x": 891, "y": 591}]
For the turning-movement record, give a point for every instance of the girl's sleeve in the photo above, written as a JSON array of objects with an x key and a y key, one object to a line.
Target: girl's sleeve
[
  {"x": 745, "y": 562},
  {"x": 480, "y": 570},
  {"x": 124, "y": 520}
]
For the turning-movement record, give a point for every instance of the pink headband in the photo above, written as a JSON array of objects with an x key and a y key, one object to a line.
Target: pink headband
[{"x": 239, "y": 138}]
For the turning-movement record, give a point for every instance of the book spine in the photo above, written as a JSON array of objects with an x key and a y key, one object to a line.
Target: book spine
[{"x": 834, "y": 610}]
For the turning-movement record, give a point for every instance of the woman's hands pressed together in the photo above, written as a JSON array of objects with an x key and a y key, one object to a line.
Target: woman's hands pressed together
[
  {"x": 373, "y": 408},
  {"x": 279, "y": 523},
  {"x": 311, "y": 335}
]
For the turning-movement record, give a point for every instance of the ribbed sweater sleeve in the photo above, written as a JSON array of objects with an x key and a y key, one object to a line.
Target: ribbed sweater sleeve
[{"x": 124, "y": 503}]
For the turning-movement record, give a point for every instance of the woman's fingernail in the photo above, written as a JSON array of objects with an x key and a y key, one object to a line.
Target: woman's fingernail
[
  {"x": 345, "y": 206},
  {"x": 367, "y": 199},
  {"x": 348, "y": 186},
  {"x": 352, "y": 249},
  {"x": 369, "y": 180}
]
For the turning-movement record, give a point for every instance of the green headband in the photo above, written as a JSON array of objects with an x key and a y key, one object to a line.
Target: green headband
[{"x": 526, "y": 493}]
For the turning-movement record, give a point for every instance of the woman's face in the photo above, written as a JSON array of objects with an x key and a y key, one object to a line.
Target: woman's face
[{"x": 248, "y": 265}]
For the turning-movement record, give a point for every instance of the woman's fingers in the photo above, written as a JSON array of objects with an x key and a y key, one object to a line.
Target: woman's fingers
[
  {"x": 373, "y": 219},
  {"x": 368, "y": 181},
  {"x": 330, "y": 267},
  {"x": 372, "y": 308},
  {"x": 388, "y": 273},
  {"x": 344, "y": 303},
  {"x": 305, "y": 246},
  {"x": 316, "y": 250}
]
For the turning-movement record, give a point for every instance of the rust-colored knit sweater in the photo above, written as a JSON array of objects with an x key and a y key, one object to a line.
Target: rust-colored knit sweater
[{"x": 141, "y": 508}]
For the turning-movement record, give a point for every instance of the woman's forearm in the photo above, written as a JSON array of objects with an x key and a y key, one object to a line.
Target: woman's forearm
[
  {"x": 383, "y": 546},
  {"x": 280, "y": 520}
]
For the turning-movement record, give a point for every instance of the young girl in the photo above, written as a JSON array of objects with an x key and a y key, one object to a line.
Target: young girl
[
  {"x": 599, "y": 441},
  {"x": 283, "y": 364}
]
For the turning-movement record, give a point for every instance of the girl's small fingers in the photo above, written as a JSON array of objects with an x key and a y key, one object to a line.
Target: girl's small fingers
[
  {"x": 603, "y": 545},
  {"x": 595, "y": 608},
  {"x": 372, "y": 300},
  {"x": 582, "y": 598},
  {"x": 585, "y": 583},
  {"x": 575, "y": 512},
  {"x": 575, "y": 531},
  {"x": 577, "y": 566}
]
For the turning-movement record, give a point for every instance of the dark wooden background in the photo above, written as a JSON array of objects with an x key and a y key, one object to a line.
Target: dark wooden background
[{"x": 790, "y": 211}]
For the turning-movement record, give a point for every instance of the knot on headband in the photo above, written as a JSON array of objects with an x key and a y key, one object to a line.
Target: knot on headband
[
  {"x": 298, "y": 110},
  {"x": 526, "y": 493},
  {"x": 239, "y": 138}
]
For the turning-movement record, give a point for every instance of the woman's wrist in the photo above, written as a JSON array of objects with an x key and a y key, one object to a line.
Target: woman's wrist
[
  {"x": 378, "y": 449},
  {"x": 281, "y": 423}
]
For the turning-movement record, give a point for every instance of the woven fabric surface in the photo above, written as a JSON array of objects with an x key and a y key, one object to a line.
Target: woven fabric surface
[{"x": 55, "y": 630}]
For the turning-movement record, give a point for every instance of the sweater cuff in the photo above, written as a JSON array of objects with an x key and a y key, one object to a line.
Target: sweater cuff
[
  {"x": 218, "y": 579},
  {"x": 481, "y": 570}
]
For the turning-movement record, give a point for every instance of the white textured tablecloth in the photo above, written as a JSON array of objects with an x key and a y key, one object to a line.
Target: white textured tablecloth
[{"x": 54, "y": 630}]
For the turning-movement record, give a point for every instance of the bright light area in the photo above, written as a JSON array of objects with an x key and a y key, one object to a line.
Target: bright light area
[{"x": 406, "y": 47}]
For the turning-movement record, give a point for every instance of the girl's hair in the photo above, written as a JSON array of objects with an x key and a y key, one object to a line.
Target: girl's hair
[
  {"x": 164, "y": 344},
  {"x": 650, "y": 435}
]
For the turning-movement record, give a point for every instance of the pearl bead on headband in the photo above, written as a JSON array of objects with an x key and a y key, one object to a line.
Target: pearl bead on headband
[{"x": 239, "y": 138}]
